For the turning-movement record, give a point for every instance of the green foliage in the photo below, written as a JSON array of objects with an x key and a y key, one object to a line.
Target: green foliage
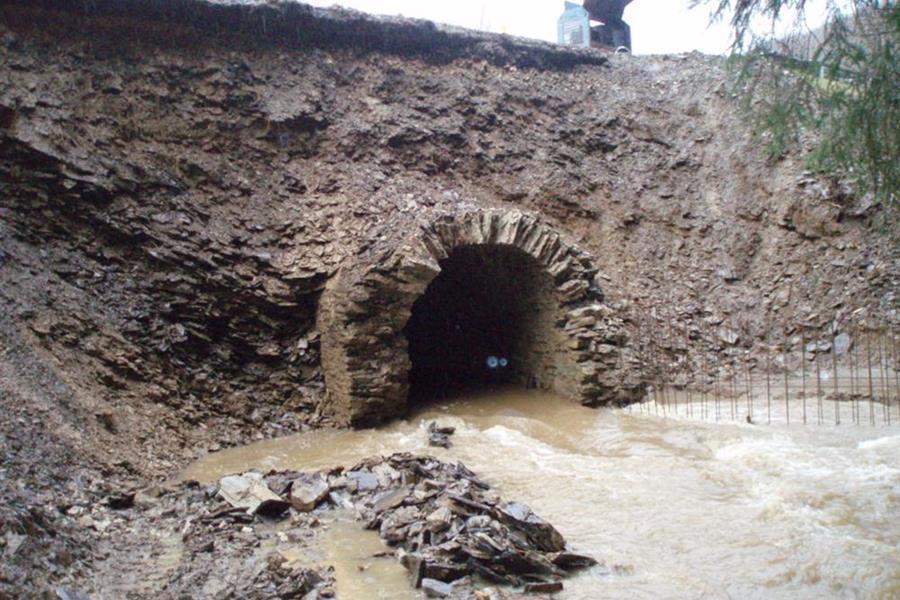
[{"x": 840, "y": 84}]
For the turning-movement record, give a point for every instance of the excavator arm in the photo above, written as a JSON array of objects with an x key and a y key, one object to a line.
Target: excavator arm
[{"x": 606, "y": 11}]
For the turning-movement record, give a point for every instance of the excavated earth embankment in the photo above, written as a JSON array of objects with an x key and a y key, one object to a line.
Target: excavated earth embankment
[{"x": 216, "y": 220}]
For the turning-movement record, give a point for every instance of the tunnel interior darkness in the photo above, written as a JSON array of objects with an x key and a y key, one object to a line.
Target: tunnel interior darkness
[{"x": 486, "y": 319}]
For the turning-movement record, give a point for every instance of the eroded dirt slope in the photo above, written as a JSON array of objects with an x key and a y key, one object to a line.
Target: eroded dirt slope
[{"x": 173, "y": 205}]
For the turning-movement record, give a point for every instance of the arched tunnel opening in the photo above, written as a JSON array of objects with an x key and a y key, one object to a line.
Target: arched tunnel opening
[{"x": 486, "y": 320}]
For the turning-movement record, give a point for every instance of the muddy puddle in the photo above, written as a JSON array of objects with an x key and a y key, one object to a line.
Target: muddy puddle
[
  {"x": 676, "y": 508},
  {"x": 358, "y": 572}
]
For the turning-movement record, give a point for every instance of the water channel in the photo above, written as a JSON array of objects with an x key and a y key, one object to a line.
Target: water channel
[{"x": 674, "y": 508}]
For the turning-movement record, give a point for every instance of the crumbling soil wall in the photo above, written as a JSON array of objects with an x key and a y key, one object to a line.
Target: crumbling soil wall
[
  {"x": 184, "y": 200},
  {"x": 187, "y": 186}
]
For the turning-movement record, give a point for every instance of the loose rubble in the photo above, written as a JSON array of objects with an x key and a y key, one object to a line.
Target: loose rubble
[
  {"x": 447, "y": 525},
  {"x": 249, "y": 492},
  {"x": 439, "y": 436},
  {"x": 448, "y": 529}
]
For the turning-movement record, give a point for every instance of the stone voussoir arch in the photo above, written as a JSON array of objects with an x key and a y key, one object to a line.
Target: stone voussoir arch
[{"x": 366, "y": 306}]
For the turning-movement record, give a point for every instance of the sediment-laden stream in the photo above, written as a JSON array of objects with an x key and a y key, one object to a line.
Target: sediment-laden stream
[{"x": 674, "y": 508}]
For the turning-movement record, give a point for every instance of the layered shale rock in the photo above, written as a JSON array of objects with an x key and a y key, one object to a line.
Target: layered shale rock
[
  {"x": 445, "y": 523},
  {"x": 217, "y": 220}
]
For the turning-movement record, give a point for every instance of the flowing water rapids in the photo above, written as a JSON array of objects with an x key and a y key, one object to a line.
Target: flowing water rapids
[{"x": 675, "y": 508}]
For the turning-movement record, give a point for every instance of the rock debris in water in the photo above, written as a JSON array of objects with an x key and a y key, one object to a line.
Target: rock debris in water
[
  {"x": 182, "y": 181},
  {"x": 251, "y": 493},
  {"x": 448, "y": 528},
  {"x": 439, "y": 436}
]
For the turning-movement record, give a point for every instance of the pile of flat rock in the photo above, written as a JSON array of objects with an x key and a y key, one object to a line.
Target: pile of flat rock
[{"x": 447, "y": 528}]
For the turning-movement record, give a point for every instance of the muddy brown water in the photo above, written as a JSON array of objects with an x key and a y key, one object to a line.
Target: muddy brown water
[{"x": 675, "y": 508}]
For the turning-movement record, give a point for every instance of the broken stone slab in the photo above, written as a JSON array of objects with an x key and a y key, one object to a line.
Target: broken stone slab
[
  {"x": 591, "y": 310},
  {"x": 466, "y": 507},
  {"x": 439, "y": 519},
  {"x": 570, "y": 561},
  {"x": 818, "y": 346},
  {"x": 842, "y": 344},
  {"x": 439, "y": 440},
  {"x": 588, "y": 373},
  {"x": 494, "y": 575},
  {"x": 548, "y": 587},
  {"x": 729, "y": 336},
  {"x": 415, "y": 564},
  {"x": 479, "y": 522},
  {"x": 340, "y": 498},
  {"x": 307, "y": 491},
  {"x": 436, "y": 589},
  {"x": 249, "y": 492},
  {"x": 541, "y": 533},
  {"x": 391, "y": 499},
  {"x": 365, "y": 480},
  {"x": 445, "y": 523},
  {"x": 572, "y": 290},
  {"x": 445, "y": 571},
  {"x": 460, "y": 471},
  {"x": 526, "y": 563},
  {"x": 395, "y": 527},
  {"x": 585, "y": 322},
  {"x": 433, "y": 427},
  {"x": 387, "y": 475},
  {"x": 578, "y": 343},
  {"x": 480, "y": 546}
]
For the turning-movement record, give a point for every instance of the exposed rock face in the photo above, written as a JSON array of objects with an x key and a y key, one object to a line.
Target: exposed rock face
[
  {"x": 174, "y": 210},
  {"x": 185, "y": 271},
  {"x": 185, "y": 188}
]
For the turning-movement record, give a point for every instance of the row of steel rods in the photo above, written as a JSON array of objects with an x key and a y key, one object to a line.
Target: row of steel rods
[
  {"x": 704, "y": 370},
  {"x": 835, "y": 377},
  {"x": 859, "y": 368},
  {"x": 670, "y": 346},
  {"x": 717, "y": 394},
  {"x": 660, "y": 368},
  {"x": 704, "y": 406},
  {"x": 854, "y": 397},
  {"x": 654, "y": 349},
  {"x": 895, "y": 352},
  {"x": 881, "y": 370},
  {"x": 787, "y": 395},
  {"x": 768, "y": 378},
  {"x": 749, "y": 387},
  {"x": 803, "y": 370},
  {"x": 870, "y": 377},
  {"x": 885, "y": 393},
  {"x": 735, "y": 391}
]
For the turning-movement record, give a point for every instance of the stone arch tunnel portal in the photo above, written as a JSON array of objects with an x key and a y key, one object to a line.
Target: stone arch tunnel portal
[
  {"x": 430, "y": 314},
  {"x": 486, "y": 319}
]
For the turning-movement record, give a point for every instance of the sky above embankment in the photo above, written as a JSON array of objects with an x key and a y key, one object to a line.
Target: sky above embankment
[{"x": 657, "y": 26}]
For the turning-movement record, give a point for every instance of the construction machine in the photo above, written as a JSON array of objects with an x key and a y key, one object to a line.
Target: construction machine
[
  {"x": 612, "y": 31},
  {"x": 596, "y": 23}
]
